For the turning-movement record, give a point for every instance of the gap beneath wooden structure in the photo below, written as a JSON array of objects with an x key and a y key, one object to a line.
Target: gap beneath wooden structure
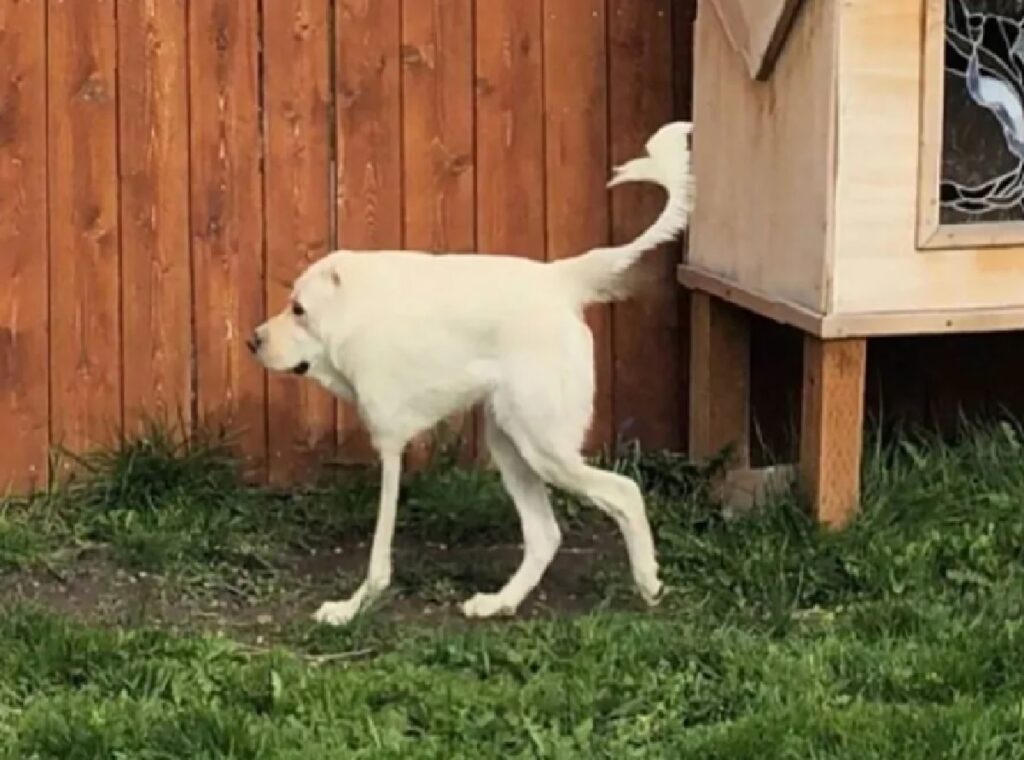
[{"x": 832, "y": 421}]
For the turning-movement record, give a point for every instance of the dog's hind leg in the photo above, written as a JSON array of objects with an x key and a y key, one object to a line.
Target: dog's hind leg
[
  {"x": 541, "y": 535},
  {"x": 620, "y": 498},
  {"x": 617, "y": 496},
  {"x": 379, "y": 576},
  {"x": 546, "y": 423}
]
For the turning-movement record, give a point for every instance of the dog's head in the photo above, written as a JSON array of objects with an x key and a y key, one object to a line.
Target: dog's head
[{"x": 294, "y": 340}]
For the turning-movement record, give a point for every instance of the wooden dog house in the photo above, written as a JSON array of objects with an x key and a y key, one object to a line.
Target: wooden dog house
[{"x": 860, "y": 172}]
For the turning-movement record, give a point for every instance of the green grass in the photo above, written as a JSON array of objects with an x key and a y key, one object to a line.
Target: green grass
[{"x": 902, "y": 637}]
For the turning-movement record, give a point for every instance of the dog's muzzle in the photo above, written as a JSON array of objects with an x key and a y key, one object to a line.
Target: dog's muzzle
[{"x": 301, "y": 368}]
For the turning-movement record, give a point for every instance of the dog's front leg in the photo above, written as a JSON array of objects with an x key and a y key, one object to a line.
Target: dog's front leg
[{"x": 379, "y": 576}]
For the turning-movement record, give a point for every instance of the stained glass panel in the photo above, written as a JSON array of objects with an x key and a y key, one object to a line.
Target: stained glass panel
[{"x": 982, "y": 166}]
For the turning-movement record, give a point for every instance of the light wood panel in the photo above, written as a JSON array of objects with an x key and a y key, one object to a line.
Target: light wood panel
[
  {"x": 878, "y": 266},
  {"x": 763, "y": 162}
]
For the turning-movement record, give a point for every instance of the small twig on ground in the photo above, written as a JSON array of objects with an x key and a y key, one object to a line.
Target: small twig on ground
[
  {"x": 313, "y": 659},
  {"x": 324, "y": 659},
  {"x": 57, "y": 574}
]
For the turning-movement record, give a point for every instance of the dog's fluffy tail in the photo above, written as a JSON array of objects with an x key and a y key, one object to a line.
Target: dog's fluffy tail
[{"x": 599, "y": 275}]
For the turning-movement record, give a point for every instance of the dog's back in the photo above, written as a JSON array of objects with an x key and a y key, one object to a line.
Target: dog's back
[{"x": 480, "y": 292}]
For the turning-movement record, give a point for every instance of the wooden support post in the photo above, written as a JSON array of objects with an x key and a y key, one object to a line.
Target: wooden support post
[
  {"x": 832, "y": 427},
  {"x": 719, "y": 380}
]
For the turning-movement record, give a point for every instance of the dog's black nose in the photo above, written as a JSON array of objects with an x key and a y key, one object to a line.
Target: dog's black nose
[{"x": 254, "y": 343}]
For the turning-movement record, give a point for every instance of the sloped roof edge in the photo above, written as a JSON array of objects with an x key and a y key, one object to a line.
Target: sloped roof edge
[{"x": 758, "y": 30}]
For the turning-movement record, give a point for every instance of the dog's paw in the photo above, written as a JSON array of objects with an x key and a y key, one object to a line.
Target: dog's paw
[
  {"x": 337, "y": 613},
  {"x": 652, "y": 591},
  {"x": 486, "y": 606}
]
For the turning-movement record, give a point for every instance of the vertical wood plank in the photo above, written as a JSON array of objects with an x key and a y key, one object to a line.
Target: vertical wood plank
[
  {"x": 85, "y": 341},
  {"x": 510, "y": 205},
  {"x": 438, "y": 144},
  {"x": 832, "y": 427},
  {"x": 437, "y": 89},
  {"x": 684, "y": 18},
  {"x": 24, "y": 364},
  {"x": 510, "y": 128},
  {"x": 719, "y": 380},
  {"x": 368, "y": 103},
  {"x": 648, "y": 402},
  {"x": 301, "y": 421},
  {"x": 155, "y": 267},
  {"x": 576, "y": 163},
  {"x": 227, "y": 226}
]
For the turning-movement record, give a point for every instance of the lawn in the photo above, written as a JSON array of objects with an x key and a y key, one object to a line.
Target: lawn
[{"x": 160, "y": 609}]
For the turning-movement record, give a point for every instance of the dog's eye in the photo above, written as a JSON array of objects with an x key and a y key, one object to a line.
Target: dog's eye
[{"x": 297, "y": 309}]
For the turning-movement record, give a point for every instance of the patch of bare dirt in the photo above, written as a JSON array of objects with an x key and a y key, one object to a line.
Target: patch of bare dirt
[{"x": 430, "y": 581}]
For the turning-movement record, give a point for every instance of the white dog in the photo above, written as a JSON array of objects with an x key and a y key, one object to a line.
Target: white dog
[{"x": 412, "y": 338}]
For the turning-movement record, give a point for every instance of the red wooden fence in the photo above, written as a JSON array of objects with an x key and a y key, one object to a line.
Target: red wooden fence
[{"x": 167, "y": 167}]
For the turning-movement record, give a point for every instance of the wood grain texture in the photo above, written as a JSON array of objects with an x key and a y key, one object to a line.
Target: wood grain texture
[
  {"x": 684, "y": 17},
  {"x": 648, "y": 397},
  {"x": 368, "y": 106},
  {"x": 510, "y": 206},
  {"x": 297, "y": 90},
  {"x": 781, "y": 133},
  {"x": 438, "y": 149},
  {"x": 719, "y": 380},
  {"x": 156, "y": 285},
  {"x": 458, "y": 125},
  {"x": 510, "y": 128},
  {"x": 878, "y": 265},
  {"x": 24, "y": 364},
  {"x": 437, "y": 90},
  {"x": 780, "y": 310},
  {"x": 576, "y": 164},
  {"x": 933, "y": 90},
  {"x": 758, "y": 30},
  {"x": 227, "y": 220},
  {"x": 85, "y": 338},
  {"x": 844, "y": 133},
  {"x": 832, "y": 427}
]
